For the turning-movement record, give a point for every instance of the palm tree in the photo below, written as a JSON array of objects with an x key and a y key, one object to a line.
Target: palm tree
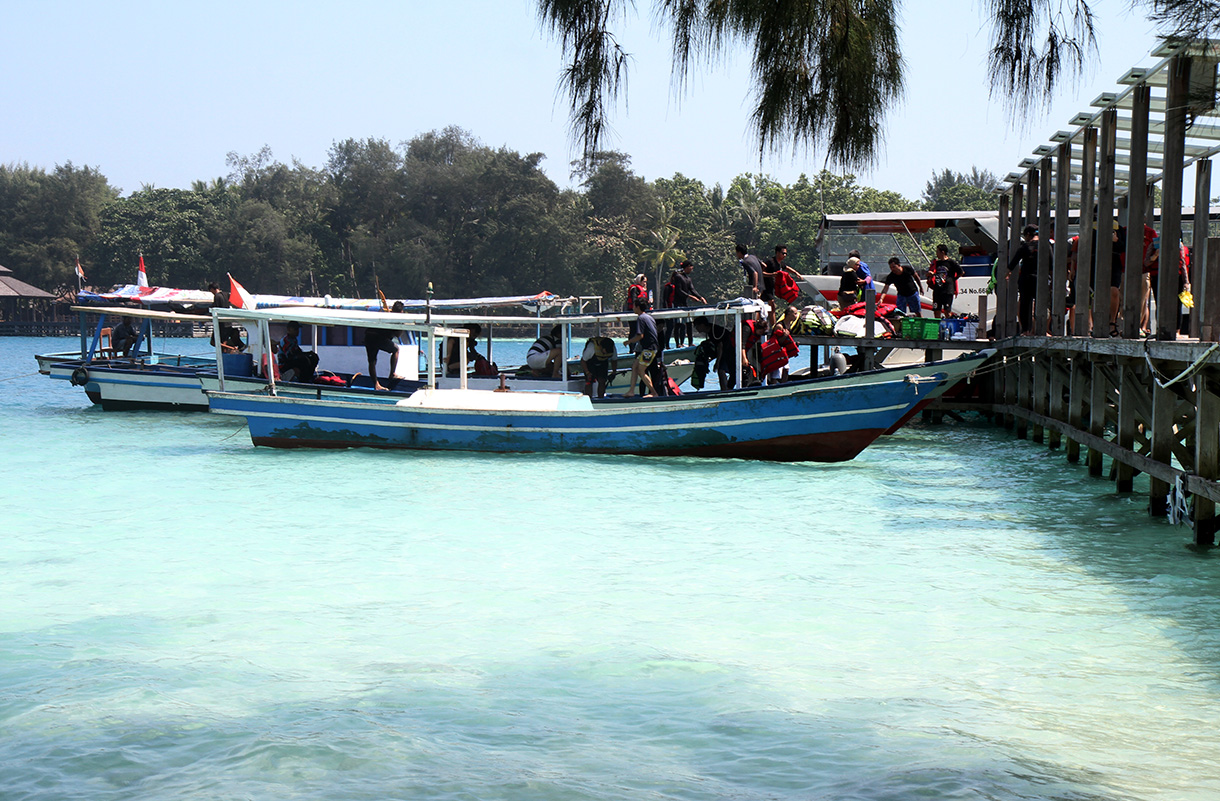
[{"x": 660, "y": 246}]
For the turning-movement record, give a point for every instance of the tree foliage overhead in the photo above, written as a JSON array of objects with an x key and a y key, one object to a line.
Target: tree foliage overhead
[{"x": 824, "y": 72}]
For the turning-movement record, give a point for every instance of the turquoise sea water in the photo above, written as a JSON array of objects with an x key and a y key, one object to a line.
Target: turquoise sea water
[{"x": 953, "y": 615}]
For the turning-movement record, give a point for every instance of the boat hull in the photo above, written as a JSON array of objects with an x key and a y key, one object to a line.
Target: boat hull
[
  {"x": 825, "y": 420},
  {"x": 137, "y": 387}
]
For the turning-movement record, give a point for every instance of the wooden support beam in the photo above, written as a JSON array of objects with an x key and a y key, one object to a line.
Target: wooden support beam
[
  {"x": 1105, "y": 225},
  {"x": 1207, "y": 455},
  {"x": 1129, "y": 389},
  {"x": 1195, "y": 484},
  {"x": 1097, "y": 415},
  {"x": 1137, "y": 188},
  {"x": 1177, "y": 99},
  {"x": 1059, "y": 263},
  {"x": 1199, "y": 243},
  {"x": 1084, "y": 249},
  {"x": 1025, "y": 381},
  {"x": 1045, "y": 235},
  {"x": 1077, "y": 392},
  {"x": 1207, "y": 298},
  {"x": 1002, "y": 256}
]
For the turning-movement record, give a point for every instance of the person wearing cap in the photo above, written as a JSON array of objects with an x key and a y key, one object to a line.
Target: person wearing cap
[{"x": 1025, "y": 262}]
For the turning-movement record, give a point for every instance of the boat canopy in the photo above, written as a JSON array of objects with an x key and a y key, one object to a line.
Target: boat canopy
[{"x": 981, "y": 228}]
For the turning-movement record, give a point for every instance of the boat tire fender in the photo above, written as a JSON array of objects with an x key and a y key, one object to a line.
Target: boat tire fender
[{"x": 80, "y": 377}]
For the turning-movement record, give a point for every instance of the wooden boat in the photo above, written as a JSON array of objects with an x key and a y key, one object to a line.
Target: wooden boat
[
  {"x": 144, "y": 379},
  {"x": 824, "y": 419}
]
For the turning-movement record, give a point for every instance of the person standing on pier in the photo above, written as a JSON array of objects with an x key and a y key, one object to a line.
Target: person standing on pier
[
  {"x": 907, "y": 286},
  {"x": 1025, "y": 261},
  {"x": 942, "y": 278}
]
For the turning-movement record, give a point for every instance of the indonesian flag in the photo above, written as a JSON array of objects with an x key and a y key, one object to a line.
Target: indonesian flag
[
  {"x": 142, "y": 275},
  {"x": 239, "y": 298},
  {"x": 79, "y": 272}
]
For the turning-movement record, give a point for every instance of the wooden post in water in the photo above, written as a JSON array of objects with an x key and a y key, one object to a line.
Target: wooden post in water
[
  {"x": 1137, "y": 190},
  {"x": 1199, "y": 247},
  {"x": 1104, "y": 244},
  {"x": 1058, "y": 294},
  {"x": 1207, "y": 455},
  {"x": 1084, "y": 247},
  {"x": 1164, "y": 400}
]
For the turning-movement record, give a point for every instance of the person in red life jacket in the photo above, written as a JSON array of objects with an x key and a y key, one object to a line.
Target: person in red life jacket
[
  {"x": 942, "y": 278},
  {"x": 669, "y": 294},
  {"x": 638, "y": 288},
  {"x": 907, "y": 286},
  {"x": 752, "y": 333}
]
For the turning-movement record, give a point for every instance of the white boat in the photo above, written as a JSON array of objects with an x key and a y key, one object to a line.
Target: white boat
[{"x": 880, "y": 235}]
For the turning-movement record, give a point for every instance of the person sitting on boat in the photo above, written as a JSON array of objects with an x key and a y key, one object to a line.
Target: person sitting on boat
[
  {"x": 907, "y": 286},
  {"x": 232, "y": 342},
  {"x": 382, "y": 340},
  {"x": 123, "y": 336},
  {"x": 599, "y": 363},
  {"x": 546, "y": 353},
  {"x": 645, "y": 345},
  {"x": 291, "y": 358},
  {"x": 453, "y": 353}
]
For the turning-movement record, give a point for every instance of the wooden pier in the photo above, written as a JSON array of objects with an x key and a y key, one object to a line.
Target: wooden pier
[{"x": 1149, "y": 402}]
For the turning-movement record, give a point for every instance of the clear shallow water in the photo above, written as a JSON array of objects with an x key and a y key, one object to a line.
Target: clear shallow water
[{"x": 953, "y": 615}]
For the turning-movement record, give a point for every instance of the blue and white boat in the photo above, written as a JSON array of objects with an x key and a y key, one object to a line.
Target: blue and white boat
[{"x": 822, "y": 419}]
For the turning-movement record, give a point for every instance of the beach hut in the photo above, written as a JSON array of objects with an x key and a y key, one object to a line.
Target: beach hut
[{"x": 18, "y": 299}]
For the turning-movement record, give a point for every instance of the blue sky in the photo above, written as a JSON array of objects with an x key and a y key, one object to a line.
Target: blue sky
[{"x": 159, "y": 93}]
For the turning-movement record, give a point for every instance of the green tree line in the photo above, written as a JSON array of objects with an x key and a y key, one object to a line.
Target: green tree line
[{"x": 441, "y": 208}]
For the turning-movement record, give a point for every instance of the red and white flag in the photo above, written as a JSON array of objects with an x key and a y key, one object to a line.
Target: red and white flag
[
  {"x": 80, "y": 274},
  {"x": 239, "y": 298},
  {"x": 142, "y": 275}
]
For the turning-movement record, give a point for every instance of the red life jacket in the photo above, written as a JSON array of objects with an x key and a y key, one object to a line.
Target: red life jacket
[
  {"x": 785, "y": 340},
  {"x": 773, "y": 356},
  {"x": 635, "y": 291},
  {"x": 667, "y": 295},
  {"x": 785, "y": 287},
  {"x": 751, "y": 333}
]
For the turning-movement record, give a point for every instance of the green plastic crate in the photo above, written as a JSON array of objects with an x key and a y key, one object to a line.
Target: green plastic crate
[{"x": 920, "y": 328}]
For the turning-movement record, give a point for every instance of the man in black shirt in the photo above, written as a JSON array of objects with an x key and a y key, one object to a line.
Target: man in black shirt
[
  {"x": 752, "y": 269},
  {"x": 684, "y": 292},
  {"x": 906, "y": 286},
  {"x": 1025, "y": 260},
  {"x": 646, "y": 343}
]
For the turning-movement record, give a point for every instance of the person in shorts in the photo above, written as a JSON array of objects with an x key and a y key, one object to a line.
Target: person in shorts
[
  {"x": 942, "y": 277},
  {"x": 906, "y": 286},
  {"x": 546, "y": 354},
  {"x": 381, "y": 340},
  {"x": 646, "y": 344},
  {"x": 599, "y": 363}
]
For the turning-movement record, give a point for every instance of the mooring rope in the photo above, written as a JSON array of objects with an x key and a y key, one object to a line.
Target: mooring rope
[{"x": 1189, "y": 371}]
